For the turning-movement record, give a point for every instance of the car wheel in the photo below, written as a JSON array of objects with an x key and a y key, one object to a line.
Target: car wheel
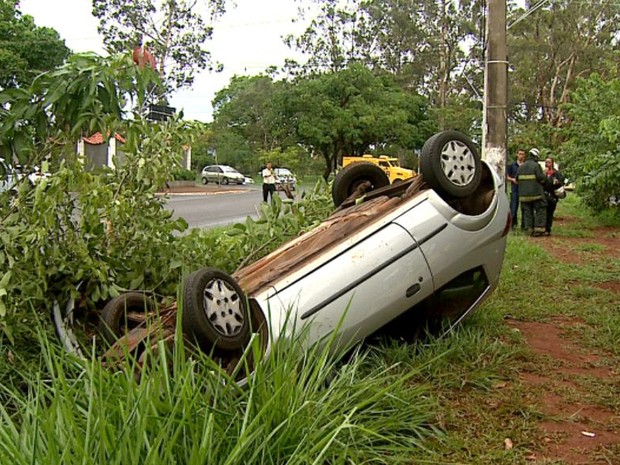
[
  {"x": 353, "y": 175},
  {"x": 451, "y": 164},
  {"x": 225, "y": 181},
  {"x": 215, "y": 310},
  {"x": 116, "y": 316},
  {"x": 205, "y": 181}
]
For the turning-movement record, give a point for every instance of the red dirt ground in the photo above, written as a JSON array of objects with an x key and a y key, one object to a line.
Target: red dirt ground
[{"x": 579, "y": 431}]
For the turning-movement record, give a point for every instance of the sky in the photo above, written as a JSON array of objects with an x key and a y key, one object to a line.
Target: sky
[{"x": 246, "y": 40}]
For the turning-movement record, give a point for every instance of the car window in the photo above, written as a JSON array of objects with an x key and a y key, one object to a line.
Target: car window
[{"x": 228, "y": 169}]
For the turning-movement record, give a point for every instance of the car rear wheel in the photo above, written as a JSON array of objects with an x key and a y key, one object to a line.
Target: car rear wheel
[
  {"x": 123, "y": 313},
  {"x": 451, "y": 164},
  {"x": 215, "y": 310},
  {"x": 354, "y": 175}
]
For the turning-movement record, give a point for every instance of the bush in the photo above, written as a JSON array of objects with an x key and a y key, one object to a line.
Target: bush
[{"x": 185, "y": 175}]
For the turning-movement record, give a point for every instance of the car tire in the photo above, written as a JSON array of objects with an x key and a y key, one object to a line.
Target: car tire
[
  {"x": 215, "y": 310},
  {"x": 114, "y": 322},
  {"x": 351, "y": 176},
  {"x": 450, "y": 164},
  {"x": 205, "y": 181},
  {"x": 225, "y": 181}
]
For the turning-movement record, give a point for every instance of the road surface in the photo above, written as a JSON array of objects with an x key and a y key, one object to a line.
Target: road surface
[{"x": 216, "y": 207}]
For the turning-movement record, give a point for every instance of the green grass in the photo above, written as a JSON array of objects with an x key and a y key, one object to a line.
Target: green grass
[
  {"x": 452, "y": 400},
  {"x": 300, "y": 407}
]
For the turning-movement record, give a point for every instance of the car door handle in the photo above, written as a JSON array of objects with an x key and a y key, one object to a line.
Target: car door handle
[{"x": 413, "y": 289}]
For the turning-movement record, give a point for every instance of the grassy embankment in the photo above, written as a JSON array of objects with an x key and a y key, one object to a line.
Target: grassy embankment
[{"x": 452, "y": 400}]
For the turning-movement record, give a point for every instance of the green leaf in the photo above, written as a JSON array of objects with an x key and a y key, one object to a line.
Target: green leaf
[
  {"x": 5, "y": 279},
  {"x": 136, "y": 282}
]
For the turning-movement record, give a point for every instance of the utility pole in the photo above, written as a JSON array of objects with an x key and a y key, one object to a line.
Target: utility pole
[{"x": 494, "y": 119}]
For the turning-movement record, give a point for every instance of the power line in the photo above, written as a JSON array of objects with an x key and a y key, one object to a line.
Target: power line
[{"x": 539, "y": 5}]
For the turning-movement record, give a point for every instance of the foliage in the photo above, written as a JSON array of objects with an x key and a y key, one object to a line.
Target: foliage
[
  {"x": 25, "y": 49},
  {"x": 453, "y": 399},
  {"x": 102, "y": 232},
  {"x": 436, "y": 48},
  {"x": 299, "y": 408},
  {"x": 87, "y": 94},
  {"x": 553, "y": 47},
  {"x": 184, "y": 175},
  {"x": 202, "y": 154},
  {"x": 294, "y": 158},
  {"x": 323, "y": 116},
  {"x": 418, "y": 43},
  {"x": 248, "y": 119},
  {"x": 107, "y": 232},
  {"x": 350, "y": 111},
  {"x": 592, "y": 142},
  {"x": 173, "y": 31}
]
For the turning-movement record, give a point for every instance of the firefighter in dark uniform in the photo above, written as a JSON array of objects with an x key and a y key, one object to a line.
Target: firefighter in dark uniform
[{"x": 532, "y": 195}]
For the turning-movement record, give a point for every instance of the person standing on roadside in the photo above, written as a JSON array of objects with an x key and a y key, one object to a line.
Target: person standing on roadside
[
  {"x": 269, "y": 182},
  {"x": 532, "y": 195},
  {"x": 511, "y": 177},
  {"x": 555, "y": 179}
]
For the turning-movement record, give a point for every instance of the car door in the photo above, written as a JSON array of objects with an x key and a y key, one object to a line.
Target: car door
[
  {"x": 367, "y": 283},
  {"x": 212, "y": 174},
  {"x": 219, "y": 174}
]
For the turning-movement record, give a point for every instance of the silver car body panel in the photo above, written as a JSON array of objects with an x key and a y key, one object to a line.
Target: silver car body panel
[{"x": 384, "y": 269}]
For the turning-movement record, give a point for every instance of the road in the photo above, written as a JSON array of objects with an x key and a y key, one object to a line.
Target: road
[{"x": 206, "y": 210}]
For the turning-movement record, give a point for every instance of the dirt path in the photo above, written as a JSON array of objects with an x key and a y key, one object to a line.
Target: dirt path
[{"x": 579, "y": 431}]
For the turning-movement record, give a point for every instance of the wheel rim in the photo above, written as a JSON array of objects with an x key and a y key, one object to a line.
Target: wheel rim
[
  {"x": 222, "y": 306},
  {"x": 356, "y": 184},
  {"x": 458, "y": 163}
]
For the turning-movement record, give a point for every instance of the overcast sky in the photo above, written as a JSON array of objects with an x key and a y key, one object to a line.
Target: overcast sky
[{"x": 246, "y": 40}]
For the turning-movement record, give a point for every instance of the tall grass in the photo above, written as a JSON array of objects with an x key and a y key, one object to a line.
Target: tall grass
[
  {"x": 440, "y": 400},
  {"x": 300, "y": 407}
]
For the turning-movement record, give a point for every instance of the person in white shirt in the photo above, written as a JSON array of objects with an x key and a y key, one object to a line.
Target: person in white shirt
[{"x": 269, "y": 182}]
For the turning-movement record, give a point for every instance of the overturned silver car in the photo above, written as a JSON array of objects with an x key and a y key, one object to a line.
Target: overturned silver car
[
  {"x": 418, "y": 255},
  {"x": 422, "y": 253}
]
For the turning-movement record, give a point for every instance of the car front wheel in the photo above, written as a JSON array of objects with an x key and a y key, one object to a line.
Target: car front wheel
[
  {"x": 205, "y": 181},
  {"x": 451, "y": 164},
  {"x": 215, "y": 310}
]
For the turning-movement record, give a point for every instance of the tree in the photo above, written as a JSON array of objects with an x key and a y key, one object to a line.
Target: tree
[
  {"x": 25, "y": 49},
  {"x": 419, "y": 42},
  {"x": 248, "y": 106},
  {"x": 249, "y": 120},
  {"x": 122, "y": 236},
  {"x": 591, "y": 151},
  {"x": 172, "y": 30},
  {"x": 353, "y": 110},
  {"x": 552, "y": 48},
  {"x": 333, "y": 38}
]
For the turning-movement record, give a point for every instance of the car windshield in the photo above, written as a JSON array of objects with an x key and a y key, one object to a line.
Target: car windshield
[
  {"x": 283, "y": 171},
  {"x": 228, "y": 169}
]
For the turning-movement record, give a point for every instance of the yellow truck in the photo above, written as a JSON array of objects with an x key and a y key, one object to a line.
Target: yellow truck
[{"x": 390, "y": 165}]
